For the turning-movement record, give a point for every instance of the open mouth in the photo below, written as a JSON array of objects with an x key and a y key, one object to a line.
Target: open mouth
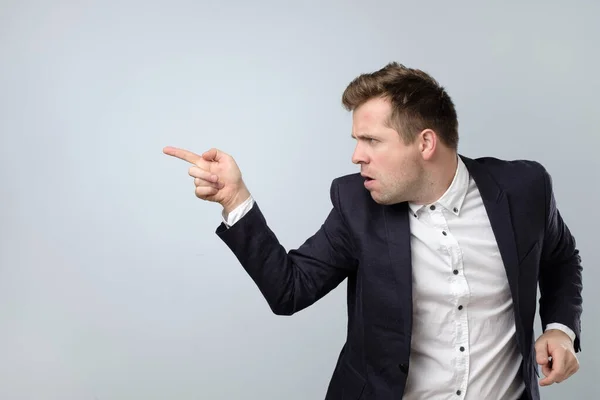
[{"x": 368, "y": 181}]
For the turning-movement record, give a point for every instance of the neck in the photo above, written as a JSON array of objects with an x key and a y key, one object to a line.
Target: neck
[{"x": 438, "y": 177}]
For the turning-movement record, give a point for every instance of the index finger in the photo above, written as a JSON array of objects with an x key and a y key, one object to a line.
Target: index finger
[{"x": 182, "y": 154}]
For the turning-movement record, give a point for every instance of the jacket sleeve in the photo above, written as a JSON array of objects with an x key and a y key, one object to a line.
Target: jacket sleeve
[
  {"x": 291, "y": 281},
  {"x": 560, "y": 277}
]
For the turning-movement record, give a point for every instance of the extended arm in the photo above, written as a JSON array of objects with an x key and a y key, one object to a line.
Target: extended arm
[{"x": 291, "y": 281}]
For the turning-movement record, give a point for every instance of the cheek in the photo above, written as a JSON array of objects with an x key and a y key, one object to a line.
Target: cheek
[
  {"x": 399, "y": 165},
  {"x": 391, "y": 163},
  {"x": 401, "y": 171}
]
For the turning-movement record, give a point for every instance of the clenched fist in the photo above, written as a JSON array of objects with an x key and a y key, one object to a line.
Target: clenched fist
[
  {"x": 216, "y": 176},
  {"x": 557, "y": 345}
]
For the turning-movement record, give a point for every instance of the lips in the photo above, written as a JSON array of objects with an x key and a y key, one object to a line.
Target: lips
[
  {"x": 367, "y": 177},
  {"x": 368, "y": 181}
]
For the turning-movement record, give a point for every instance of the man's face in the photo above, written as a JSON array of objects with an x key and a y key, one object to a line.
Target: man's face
[{"x": 393, "y": 170}]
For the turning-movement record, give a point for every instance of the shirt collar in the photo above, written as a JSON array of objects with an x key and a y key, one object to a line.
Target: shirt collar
[{"x": 452, "y": 200}]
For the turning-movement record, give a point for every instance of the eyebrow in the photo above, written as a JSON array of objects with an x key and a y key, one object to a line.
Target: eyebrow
[{"x": 363, "y": 136}]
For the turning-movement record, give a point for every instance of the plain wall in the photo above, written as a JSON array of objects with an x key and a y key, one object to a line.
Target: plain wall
[{"x": 113, "y": 284}]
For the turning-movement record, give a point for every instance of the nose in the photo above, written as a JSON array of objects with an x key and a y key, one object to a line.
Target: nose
[{"x": 358, "y": 157}]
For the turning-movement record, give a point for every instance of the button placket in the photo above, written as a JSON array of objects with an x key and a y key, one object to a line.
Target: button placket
[{"x": 461, "y": 339}]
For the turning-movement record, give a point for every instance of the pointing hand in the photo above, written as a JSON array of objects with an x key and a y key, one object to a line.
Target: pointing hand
[{"x": 216, "y": 175}]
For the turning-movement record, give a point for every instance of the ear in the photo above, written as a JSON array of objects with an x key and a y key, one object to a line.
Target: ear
[{"x": 428, "y": 143}]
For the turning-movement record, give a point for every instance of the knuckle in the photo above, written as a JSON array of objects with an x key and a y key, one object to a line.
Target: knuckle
[{"x": 539, "y": 345}]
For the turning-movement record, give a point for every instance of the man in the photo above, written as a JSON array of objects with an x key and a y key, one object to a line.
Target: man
[{"x": 442, "y": 254}]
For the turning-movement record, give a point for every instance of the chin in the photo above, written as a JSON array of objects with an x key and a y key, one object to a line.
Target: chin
[
  {"x": 386, "y": 199},
  {"x": 380, "y": 199}
]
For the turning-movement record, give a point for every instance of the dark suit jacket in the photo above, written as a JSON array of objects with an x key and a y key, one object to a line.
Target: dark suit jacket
[{"x": 369, "y": 244}]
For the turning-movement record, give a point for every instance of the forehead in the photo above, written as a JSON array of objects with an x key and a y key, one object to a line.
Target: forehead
[
  {"x": 373, "y": 112},
  {"x": 371, "y": 119}
]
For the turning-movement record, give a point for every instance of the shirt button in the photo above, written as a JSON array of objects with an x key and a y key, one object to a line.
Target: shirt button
[
  {"x": 444, "y": 233},
  {"x": 432, "y": 208},
  {"x": 455, "y": 209},
  {"x": 455, "y": 272},
  {"x": 458, "y": 392},
  {"x": 462, "y": 348},
  {"x": 460, "y": 307}
]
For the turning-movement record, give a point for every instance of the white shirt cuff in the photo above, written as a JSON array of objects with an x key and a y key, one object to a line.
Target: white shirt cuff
[
  {"x": 238, "y": 212},
  {"x": 563, "y": 328}
]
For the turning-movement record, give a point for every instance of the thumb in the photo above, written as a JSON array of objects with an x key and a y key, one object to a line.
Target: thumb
[
  {"x": 213, "y": 155},
  {"x": 541, "y": 350}
]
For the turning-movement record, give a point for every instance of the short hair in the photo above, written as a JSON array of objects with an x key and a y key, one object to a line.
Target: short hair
[{"x": 418, "y": 101}]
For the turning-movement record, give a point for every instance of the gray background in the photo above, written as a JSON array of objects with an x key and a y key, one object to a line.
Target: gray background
[{"x": 113, "y": 285}]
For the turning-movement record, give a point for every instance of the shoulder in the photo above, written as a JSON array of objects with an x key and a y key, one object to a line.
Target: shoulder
[
  {"x": 349, "y": 182},
  {"x": 503, "y": 166},
  {"x": 350, "y": 185},
  {"x": 350, "y": 191},
  {"x": 508, "y": 173}
]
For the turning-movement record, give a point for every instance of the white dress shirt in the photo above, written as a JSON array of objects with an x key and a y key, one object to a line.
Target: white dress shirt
[{"x": 463, "y": 340}]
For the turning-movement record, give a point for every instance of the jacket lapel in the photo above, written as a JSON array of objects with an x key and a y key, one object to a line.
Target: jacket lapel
[
  {"x": 397, "y": 227},
  {"x": 496, "y": 204}
]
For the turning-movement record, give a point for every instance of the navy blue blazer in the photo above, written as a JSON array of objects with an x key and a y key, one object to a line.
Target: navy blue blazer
[{"x": 369, "y": 245}]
